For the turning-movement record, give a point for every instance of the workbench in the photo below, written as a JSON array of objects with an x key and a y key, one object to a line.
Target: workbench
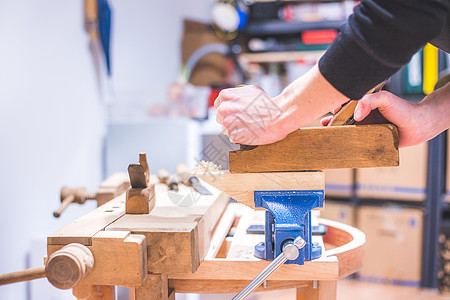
[{"x": 186, "y": 250}]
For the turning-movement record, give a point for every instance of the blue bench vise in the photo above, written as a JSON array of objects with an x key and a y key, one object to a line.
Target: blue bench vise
[{"x": 288, "y": 216}]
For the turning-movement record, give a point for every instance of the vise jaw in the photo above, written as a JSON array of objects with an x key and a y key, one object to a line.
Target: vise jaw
[{"x": 288, "y": 216}]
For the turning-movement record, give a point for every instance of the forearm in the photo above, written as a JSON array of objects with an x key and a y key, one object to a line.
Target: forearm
[
  {"x": 380, "y": 37},
  {"x": 435, "y": 112},
  {"x": 308, "y": 98}
]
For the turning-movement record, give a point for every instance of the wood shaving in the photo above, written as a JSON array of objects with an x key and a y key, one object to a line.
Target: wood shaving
[{"x": 207, "y": 167}]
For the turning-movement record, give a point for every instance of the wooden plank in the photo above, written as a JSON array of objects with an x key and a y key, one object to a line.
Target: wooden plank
[
  {"x": 83, "y": 229},
  {"x": 241, "y": 187},
  {"x": 231, "y": 286},
  {"x": 242, "y": 244},
  {"x": 349, "y": 242},
  {"x": 223, "y": 269},
  {"x": 178, "y": 237},
  {"x": 222, "y": 229},
  {"x": 362, "y": 146}
]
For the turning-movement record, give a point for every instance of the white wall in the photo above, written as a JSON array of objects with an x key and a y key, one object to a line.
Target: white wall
[
  {"x": 146, "y": 50},
  {"x": 51, "y": 113},
  {"x": 50, "y": 122}
]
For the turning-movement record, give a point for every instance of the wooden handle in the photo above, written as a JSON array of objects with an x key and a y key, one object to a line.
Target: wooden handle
[
  {"x": 184, "y": 174},
  {"x": 143, "y": 162},
  {"x": 69, "y": 199},
  {"x": 163, "y": 175},
  {"x": 68, "y": 266},
  {"x": 170, "y": 181},
  {"x": 24, "y": 275},
  {"x": 344, "y": 114}
]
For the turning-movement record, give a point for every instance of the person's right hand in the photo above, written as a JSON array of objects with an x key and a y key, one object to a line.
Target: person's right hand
[{"x": 417, "y": 122}]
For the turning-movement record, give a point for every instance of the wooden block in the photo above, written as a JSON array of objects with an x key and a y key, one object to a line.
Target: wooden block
[
  {"x": 95, "y": 292},
  {"x": 140, "y": 201},
  {"x": 325, "y": 290},
  {"x": 83, "y": 229},
  {"x": 155, "y": 287},
  {"x": 120, "y": 258},
  {"x": 178, "y": 237},
  {"x": 241, "y": 187},
  {"x": 334, "y": 147},
  {"x": 112, "y": 187}
]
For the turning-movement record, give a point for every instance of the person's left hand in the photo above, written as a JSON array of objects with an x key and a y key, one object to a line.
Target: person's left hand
[{"x": 249, "y": 116}]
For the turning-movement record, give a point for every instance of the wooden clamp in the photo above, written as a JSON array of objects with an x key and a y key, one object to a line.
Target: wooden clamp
[{"x": 140, "y": 198}]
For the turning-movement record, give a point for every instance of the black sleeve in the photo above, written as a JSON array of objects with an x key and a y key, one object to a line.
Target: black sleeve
[{"x": 380, "y": 37}]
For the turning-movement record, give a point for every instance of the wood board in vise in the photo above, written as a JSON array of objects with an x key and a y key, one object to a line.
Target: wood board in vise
[
  {"x": 242, "y": 187},
  {"x": 335, "y": 147},
  {"x": 178, "y": 237}
]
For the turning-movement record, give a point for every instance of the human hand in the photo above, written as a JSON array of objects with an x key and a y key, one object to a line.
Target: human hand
[
  {"x": 414, "y": 120},
  {"x": 251, "y": 117}
]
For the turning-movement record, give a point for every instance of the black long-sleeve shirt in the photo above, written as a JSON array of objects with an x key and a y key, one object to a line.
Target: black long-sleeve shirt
[{"x": 380, "y": 37}]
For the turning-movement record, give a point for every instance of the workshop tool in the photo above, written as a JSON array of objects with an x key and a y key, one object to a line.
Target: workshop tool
[
  {"x": 170, "y": 181},
  {"x": 185, "y": 176},
  {"x": 73, "y": 195},
  {"x": 110, "y": 188},
  {"x": 140, "y": 198},
  {"x": 335, "y": 147},
  {"x": 345, "y": 115},
  {"x": 287, "y": 230},
  {"x": 288, "y": 198}
]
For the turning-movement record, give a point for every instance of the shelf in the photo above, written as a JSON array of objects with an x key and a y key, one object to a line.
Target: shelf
[
  {"x": 276, "y": 27},
  {"x": 268, "y": 57}
]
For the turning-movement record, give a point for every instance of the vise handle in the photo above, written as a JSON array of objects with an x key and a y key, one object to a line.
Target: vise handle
[{"x": 290, "y": 252}]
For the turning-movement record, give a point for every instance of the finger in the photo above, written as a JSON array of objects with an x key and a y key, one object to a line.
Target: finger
[
  {"x": 219, "y": 117},
  {"x": 224, "y": 130},
  {"x": 224, "y": 95},
  {"x": 335, "y": 111},
  {"x": 240, "y": 136},
  {"x": 326, "y": 120},
  {"x": 370, "y": 102}
]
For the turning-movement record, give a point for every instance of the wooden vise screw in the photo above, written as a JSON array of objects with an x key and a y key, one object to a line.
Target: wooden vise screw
[{"x": 73, "y": 195}]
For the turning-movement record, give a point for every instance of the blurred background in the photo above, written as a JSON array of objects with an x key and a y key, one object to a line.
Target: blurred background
[{"x": 82, "y": 91}]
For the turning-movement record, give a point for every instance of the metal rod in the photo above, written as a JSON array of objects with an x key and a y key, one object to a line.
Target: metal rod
[
  {"x": 272, "y": 267},
  {"x": 290, "y": 252}
]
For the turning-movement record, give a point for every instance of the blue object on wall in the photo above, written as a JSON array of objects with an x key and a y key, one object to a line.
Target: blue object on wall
[{"x": 104, "y": 29}]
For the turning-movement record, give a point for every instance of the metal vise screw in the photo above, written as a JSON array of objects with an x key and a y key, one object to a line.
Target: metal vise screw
[{"x": 290, "y": 252}]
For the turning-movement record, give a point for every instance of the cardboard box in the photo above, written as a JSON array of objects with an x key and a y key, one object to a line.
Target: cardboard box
[
  {"x": 393, "y": 251},
  {"x": 406, "y": 182},
  {"x": 339, "y": 212},
  {"x": 339, "y": 182}
]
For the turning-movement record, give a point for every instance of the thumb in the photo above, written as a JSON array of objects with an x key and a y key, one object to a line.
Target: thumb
[{"x": 370, "y": 102}]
